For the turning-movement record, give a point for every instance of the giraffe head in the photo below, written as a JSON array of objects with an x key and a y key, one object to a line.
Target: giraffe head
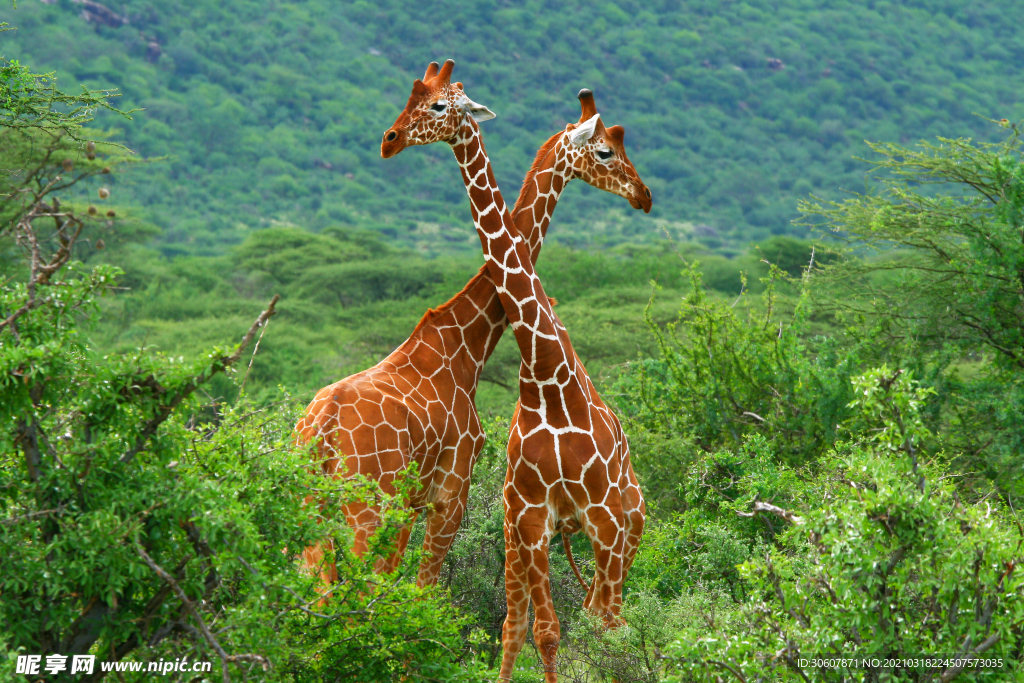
[
  {"x": 598, "y": 156},
  {"x": 434, "y": 113}
]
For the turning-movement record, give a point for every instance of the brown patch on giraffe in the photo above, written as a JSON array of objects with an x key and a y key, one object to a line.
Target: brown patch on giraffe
[
  {"x": 538, "y": 212},
  {"x": 538, "y": 162},
  {"x": 479, "y": 195},
  {"x": 551, "y": 204},
  {"x": 433, "y": 313},
  {"x": 370, "y": 413}
]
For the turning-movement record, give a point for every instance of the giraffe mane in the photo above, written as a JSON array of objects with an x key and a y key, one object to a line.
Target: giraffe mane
[
  {"x": 534, "y": 168},
  {"x": 431, "y": 312}
]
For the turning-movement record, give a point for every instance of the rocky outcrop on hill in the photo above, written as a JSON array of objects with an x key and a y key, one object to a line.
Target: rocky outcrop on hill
[{"x": 95, "y": 13}]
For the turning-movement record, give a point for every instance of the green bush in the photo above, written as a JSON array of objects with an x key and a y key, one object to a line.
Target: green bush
[
  {"x": 872, "y": 554},
  {"x": 721, "y": 376},
  {"x": 878, "y": 569}
]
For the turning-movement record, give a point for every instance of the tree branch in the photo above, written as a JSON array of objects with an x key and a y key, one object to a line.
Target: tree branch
[
  {"x": 190, "y": 608},
  {"x": 10, "y": 521},
  {"x": 952, "y": 672},
  {"x": 218, "y": 365},
  {"x": 739, "y": 676},
  {"x": 760, "y": 506}
]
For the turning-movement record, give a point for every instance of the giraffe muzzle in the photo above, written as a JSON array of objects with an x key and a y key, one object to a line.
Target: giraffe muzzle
[
  {"x": 642, "y": 200},
  {"x": 391, "y": 144}
]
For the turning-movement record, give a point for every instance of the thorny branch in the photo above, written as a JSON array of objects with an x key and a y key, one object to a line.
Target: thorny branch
[
  {"x": 225, "y": 658},
  {"x": 40, "y": 268},
  {"x": 218, "y": 365}
]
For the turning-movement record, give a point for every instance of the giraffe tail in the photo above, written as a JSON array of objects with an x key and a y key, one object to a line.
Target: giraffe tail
[{"x": 572, "y": 563}]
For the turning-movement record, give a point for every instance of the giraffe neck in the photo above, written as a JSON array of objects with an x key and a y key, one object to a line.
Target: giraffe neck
[
  {"x": 508, "y": 261},
  {"x": 551, "y": 172},
  {"x": 474, "y": 319}
]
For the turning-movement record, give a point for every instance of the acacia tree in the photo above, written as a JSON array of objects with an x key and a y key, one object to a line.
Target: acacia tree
[
  {"x": 944, "y": 282},
  {"x": 32, "y": 102}
]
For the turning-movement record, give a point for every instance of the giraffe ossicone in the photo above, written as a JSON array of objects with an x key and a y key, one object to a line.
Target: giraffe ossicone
[{"x": 569, "y": 464}]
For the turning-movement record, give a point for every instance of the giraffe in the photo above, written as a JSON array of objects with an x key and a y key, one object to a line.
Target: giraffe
[
  {"x": 418, "y": 404},
  {"x": 569, "y": 467}
]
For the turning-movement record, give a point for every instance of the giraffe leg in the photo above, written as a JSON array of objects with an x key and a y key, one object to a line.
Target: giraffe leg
[
  {"x": 590, "y": 591},
  {"x": 315, "y": 555},
  {"x": 517, "y": 601},
  {"x": 635, "y": 515},
  {"x": 445, "y": 514},
  {"x": 531, "y": 535},
  {"x": 364, "y": 520},
  {"x": 390, "y": 563},
  {"x": 547, "y": 633},
  {"x": 635, "y": 509},
  {"x": 606, "y": 529},
  {"x": 635, "y": 519},
  {"x": 315, "y": 559},
  {"x": 443, "y": 522}
]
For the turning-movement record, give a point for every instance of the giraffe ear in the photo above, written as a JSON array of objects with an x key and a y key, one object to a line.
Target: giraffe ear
[
  {"x": 478, "y": 111},
  {"x": 581, "y": 134}
]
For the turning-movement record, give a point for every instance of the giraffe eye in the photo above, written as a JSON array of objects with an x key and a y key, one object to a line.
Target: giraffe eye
[
  {"x": 438, "y": 106},
  {"x": 605, "y": 154}
]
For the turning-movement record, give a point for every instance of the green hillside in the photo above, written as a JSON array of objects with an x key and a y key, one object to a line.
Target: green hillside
[{"x": 270, "y": 113}]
